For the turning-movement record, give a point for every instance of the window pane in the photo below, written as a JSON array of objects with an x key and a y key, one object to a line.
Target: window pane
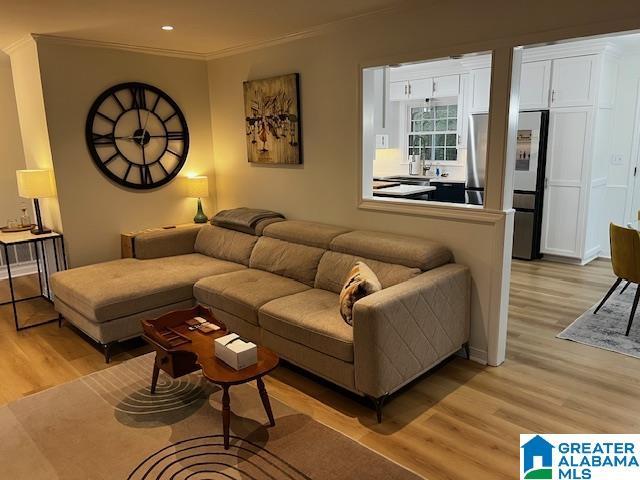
[
  {"x": 429, "y": 125},
  {"x": 453, "y": 111},
  {"x": 428, "y": 154},
  {"x": 441, "y": 111},
  {"x": 439, "y": 140},
  {"x": 416, "y": 114},
  {"x": 439, "y": 153},
  {"x": 428, "y": 139},
  {"x": 451, "y": 154},
  {"x": 451, "y": 140},
  {"x": 452, "y": 125},
  {"x": 441, "y": 125}
]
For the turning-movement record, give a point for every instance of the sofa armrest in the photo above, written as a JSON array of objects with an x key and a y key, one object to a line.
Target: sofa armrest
[
  {"x": 402, "y": 331},
  {"x": 165, "y": 243}
]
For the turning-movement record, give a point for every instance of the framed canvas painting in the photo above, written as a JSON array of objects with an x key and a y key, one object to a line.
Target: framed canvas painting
[{"x": 272, "y": 120}]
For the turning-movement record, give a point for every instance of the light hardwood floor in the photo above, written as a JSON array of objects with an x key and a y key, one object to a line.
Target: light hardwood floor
[{"x": 460, "y": 422}]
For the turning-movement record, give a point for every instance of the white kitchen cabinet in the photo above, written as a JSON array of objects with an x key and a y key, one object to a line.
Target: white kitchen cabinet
[
  {"x": 398, "y": 91},
  {"x": 480, "y": 90},
  {"x": 573, "y": 81},
  {"x": 535, "y": 80},
  {"x": 447, "y": 86},
  {"x": 420, "y": 89},
  {"x": 563, "y": 213}
]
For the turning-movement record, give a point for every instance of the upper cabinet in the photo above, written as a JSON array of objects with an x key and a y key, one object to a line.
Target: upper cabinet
[
  {"x": 535, "y": 80},
  {"x": 573, "y": 81},
  {"x": 421, "y": 88},
  {"x": 480, "y": 90},
  {"x": 447, "y": 86}
]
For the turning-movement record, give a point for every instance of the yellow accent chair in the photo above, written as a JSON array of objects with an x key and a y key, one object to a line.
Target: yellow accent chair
[{"x": 625, "y": 260}]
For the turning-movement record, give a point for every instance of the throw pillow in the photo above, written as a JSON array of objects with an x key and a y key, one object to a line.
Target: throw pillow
[{"x": 360, "y": 282}]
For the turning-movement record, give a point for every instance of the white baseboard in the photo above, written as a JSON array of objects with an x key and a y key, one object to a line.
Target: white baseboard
[{"x": 19, "y": 270}]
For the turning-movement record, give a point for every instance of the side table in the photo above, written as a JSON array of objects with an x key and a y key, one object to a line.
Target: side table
[{"x": 40, "y": 241}]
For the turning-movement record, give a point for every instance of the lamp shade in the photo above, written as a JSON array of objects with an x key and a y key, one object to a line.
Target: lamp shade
[
  {"x": 197, "y": 187},
  {"x": 35, "y": 183}
]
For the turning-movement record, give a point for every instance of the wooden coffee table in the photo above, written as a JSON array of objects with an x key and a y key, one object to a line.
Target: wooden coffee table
[{"x": 180, "y": 351}]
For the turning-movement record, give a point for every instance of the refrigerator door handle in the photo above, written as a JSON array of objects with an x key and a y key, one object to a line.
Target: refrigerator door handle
[{"x": 546, "y": 183}]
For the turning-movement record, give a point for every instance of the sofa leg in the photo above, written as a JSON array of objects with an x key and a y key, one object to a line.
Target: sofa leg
[
  {"x": 107, "y": 349},
  {"x": 378, "y": 403},
  {"x": 60, "y": 320},
  {"x": 467, "y": 352}
]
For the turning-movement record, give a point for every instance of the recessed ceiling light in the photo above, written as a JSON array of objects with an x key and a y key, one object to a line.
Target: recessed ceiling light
[{"x": 167, "y": 28}]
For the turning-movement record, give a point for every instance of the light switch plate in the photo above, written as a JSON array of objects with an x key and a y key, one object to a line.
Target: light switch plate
[{"x": 382, "y": 141}]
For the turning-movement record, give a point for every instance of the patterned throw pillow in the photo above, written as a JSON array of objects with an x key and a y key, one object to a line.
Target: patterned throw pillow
[{"x": 360, "y": 282}]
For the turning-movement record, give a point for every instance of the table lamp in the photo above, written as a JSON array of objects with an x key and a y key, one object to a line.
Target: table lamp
[
  {"x": 36, "y": 184},
  {"x": 198, "y": 187}
]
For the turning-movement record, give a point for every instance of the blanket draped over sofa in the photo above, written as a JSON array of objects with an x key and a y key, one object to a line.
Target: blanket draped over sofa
[{"x": 281, "y": 290}]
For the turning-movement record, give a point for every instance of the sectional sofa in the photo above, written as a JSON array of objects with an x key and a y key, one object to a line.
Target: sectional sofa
[{"x": 280, "y": 289}]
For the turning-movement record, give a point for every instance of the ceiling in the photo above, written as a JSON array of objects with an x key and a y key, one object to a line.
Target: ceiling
[{"x": 201, "y": 26}]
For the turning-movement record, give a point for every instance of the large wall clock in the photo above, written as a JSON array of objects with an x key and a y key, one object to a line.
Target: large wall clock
[{"x": 137, "y": 135}]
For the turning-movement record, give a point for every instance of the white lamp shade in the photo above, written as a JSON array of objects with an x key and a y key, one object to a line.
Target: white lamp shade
[
  {"x": 35, "y": 183},
  {"x": 198, "y": 187}
]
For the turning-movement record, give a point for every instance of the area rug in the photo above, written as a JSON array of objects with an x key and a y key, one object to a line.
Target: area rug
[
  {"x": 607, "y": 329},
  {"x": 107, "y": 426}
]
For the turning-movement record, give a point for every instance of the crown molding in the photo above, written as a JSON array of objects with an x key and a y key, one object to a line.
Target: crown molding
[
  {"x": 310, "y": 32},
  {"x": 225, "y": 52},
  {"x": 79, "y": 42},
  {"x": 12, "y": 47}
]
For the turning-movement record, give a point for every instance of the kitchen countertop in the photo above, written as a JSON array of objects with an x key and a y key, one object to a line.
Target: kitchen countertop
[
  {"x": 393, "y": 178},
  {"x": 403, "y": 190}
]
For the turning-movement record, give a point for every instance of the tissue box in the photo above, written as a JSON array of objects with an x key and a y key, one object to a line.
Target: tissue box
[{"x": 235, "y": 352}]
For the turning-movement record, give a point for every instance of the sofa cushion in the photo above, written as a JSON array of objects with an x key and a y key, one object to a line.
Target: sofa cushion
[
  {"x": 110, "y": 290},
  {"x": 334, "y": 268},
  {"x": 225, "y": 244},
  {"x": 243, "y": 293},
  {"x": 387, "y": 247},
  {"x": 292, "y": 260},
  {"x": 306, "y": 233},
  {"x": 310, "y": 318}
]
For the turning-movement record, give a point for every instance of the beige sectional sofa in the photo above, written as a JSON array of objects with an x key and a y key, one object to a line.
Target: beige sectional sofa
[{"x": 281, "y": 290}]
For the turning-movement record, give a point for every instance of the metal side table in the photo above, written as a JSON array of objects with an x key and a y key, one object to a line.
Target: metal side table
[{"x": 59, "y": 257}]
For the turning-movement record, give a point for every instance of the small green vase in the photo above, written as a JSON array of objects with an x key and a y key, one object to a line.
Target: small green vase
[{"x": 200, "y": 216}]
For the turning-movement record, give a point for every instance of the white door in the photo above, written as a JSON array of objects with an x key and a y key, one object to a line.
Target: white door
[
  {"x": 480, "y": 90},
  {"x": 573, "y": 81},
  {"x": 562, "y": 216},
  {"x": 398, "y": 91},
  {"x": 534, "y": 85},
  {"x": 420, "y": 89},
  {"x": 448, "y": 86}
]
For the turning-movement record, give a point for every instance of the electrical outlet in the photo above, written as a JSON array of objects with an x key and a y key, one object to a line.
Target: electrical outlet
[{"x": 617, "y": 159}]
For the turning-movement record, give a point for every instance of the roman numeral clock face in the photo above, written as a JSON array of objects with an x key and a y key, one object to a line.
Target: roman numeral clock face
[{"x": 137, "y": 135}]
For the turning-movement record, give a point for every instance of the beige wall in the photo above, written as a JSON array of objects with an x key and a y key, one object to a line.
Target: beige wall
[
  {"x": 11, "y": 154},
  {"x": 325, "y": 187},
  {"x": 94, "y": 209}
]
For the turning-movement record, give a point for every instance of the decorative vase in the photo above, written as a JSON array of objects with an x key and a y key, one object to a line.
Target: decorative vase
[{"x": 200, "y": 216}]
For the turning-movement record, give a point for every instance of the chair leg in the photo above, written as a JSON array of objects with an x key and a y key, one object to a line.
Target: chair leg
[
  {"x": 60, "y": 320},
  {"x": 624, "y": 288},
  {"x": 467, "y": 352},
  {"x": 606, "y": 297},
  {"x": 633, "y": 309}
]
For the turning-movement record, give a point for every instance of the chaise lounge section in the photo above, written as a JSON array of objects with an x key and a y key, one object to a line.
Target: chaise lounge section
[{"x": 281, "y": 289}]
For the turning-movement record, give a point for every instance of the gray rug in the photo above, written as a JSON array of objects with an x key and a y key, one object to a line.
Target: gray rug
[{"x": 606, "y": 329}]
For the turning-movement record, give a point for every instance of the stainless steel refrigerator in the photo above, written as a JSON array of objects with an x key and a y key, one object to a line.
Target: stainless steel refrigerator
[{"x": 528, "y": 179}]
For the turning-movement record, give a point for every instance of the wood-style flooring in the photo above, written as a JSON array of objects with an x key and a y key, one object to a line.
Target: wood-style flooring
[{"x": 460, "y": 422}]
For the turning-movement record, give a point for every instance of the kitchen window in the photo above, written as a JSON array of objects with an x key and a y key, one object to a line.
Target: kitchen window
[{"x": 433, "y": 132}]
